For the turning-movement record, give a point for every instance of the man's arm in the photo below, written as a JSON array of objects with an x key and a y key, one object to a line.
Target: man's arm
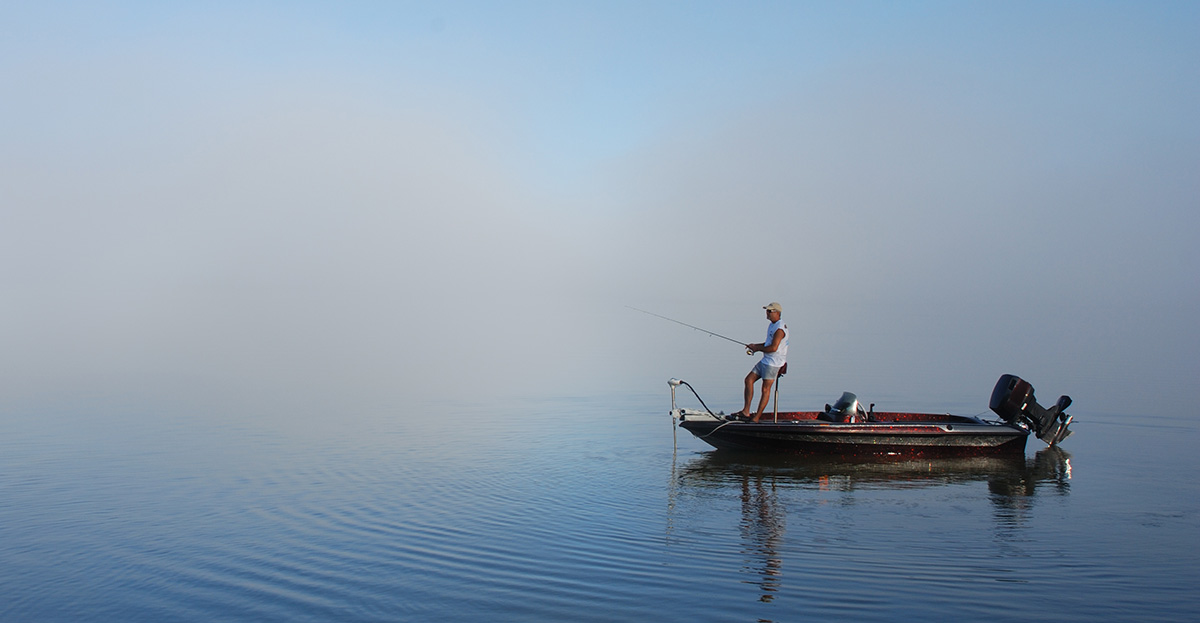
[{"x": 776, "y": 340}]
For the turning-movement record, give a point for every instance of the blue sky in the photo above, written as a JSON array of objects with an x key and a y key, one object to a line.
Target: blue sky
[{"x": 283, "y": 196}]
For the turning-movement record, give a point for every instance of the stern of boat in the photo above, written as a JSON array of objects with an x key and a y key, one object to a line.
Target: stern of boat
[{"x": 1013, "y": 400}]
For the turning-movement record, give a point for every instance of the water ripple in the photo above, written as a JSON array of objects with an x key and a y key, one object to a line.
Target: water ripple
[{"x": 539, "y": 520}]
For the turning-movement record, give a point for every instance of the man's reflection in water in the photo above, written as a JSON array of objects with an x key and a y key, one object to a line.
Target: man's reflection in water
[{"x": 762, "y": 528}]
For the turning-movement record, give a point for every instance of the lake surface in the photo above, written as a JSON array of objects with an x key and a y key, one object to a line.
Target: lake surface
[{"x": 581, "y": 510}]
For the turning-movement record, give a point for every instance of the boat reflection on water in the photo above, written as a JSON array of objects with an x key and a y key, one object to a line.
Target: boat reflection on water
[
  {"x": 767, "y": 485},
  {"x": 1008, "y": 475}
]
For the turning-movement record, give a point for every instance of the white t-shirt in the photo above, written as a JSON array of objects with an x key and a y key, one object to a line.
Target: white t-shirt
[{"x": 779, "y": 357}]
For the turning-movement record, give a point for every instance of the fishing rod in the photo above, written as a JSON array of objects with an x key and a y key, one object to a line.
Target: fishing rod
[{"x": 742, "y": 344}]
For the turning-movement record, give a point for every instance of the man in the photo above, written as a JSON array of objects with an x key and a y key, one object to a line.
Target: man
[{"x": 774, "y": 350}]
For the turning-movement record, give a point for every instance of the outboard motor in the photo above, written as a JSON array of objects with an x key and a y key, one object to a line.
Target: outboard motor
[
  {"x": 1013, "y": 400},
  {"x": 846, "y": 409}
]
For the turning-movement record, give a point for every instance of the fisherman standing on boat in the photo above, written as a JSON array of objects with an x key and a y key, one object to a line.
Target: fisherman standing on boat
[{"x": 774, "y": 350}]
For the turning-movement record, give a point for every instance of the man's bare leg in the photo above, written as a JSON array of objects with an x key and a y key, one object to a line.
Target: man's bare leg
[
  {"x": 766, "y": 397},
  {"x": 749, "y": 393}
]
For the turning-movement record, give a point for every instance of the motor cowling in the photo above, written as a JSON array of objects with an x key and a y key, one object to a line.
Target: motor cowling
[
  {"x": 1010, "y": 397},
  {"x": 1014, "y": 401}
]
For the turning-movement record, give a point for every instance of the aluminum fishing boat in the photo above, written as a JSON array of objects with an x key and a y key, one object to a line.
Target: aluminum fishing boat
[{"x": 848, "y": 430}]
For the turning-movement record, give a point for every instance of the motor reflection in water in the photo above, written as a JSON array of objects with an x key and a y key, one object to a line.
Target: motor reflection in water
[{"x": 767, "y": 485}]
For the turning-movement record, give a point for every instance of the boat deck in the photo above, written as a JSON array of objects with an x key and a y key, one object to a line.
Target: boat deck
[
  {"x": 876, "y": 417},
  {"x": 887, "y": 434}
]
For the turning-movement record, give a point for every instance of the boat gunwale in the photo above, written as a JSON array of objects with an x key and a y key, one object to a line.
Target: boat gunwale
[{"x": 856, "y": 429}]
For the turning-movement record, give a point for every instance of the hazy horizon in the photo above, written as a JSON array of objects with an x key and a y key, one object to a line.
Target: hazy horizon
[{"x": 367, "y": 206}]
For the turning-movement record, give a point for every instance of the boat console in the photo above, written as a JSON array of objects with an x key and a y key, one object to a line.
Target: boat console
[
  {"x": 1013, "y": 400},
  {"x": 846, "y": 409}
]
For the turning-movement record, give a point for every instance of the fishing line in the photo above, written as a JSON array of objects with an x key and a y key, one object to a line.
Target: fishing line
[{"x": 742, "y": 344}]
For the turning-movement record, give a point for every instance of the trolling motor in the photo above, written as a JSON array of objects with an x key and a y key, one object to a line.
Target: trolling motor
[{"x": 1013, "y": 400}]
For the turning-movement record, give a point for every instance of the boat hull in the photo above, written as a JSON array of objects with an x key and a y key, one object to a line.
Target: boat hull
[{"x": 861, "y": 440}]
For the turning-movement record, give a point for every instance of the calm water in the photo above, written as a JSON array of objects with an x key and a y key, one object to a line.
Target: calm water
[{"x": 576, "y": 510}]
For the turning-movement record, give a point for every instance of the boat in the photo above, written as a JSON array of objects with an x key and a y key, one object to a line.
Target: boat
[{"x": 845, "y": 429}]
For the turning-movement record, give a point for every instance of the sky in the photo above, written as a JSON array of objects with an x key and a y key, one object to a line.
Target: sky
[{"x": 278, "y": 206}]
